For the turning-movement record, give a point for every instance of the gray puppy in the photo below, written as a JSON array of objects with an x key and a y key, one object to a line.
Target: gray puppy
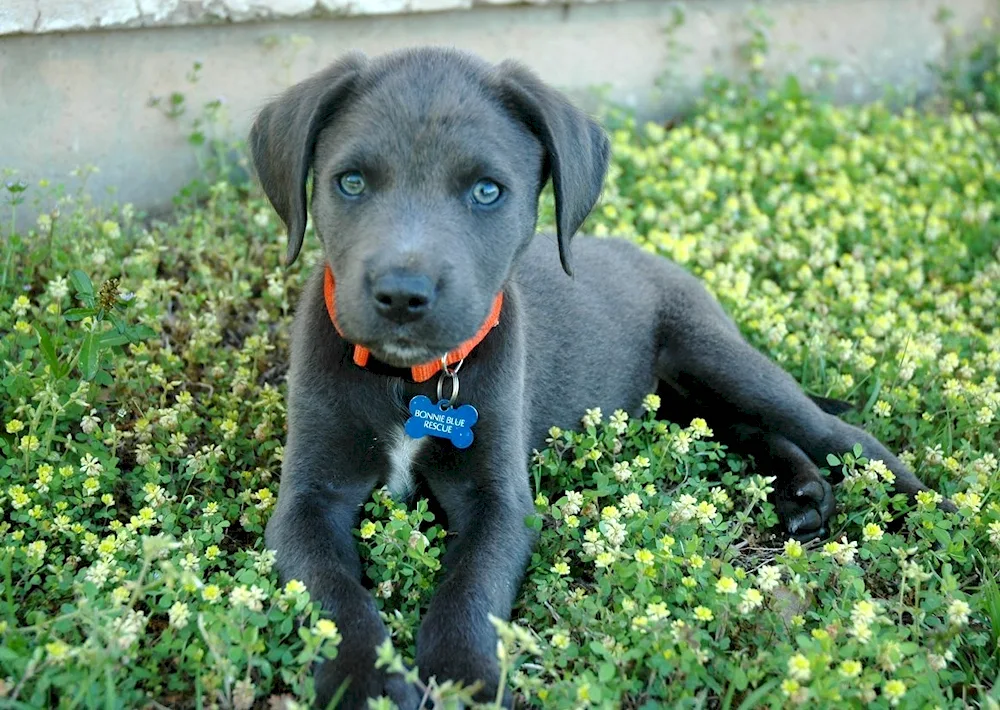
[{"x": 427, "y": 166}]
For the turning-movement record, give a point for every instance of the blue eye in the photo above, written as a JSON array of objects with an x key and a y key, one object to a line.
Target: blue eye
[
  {"x": 486, "y": 192},
  {"x": 352, "y": 183}
]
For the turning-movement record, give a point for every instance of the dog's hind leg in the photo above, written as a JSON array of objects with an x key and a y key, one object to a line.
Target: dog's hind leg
[
  {"x": 707, "y": 362},
  {"x": 803, "y": 498}
]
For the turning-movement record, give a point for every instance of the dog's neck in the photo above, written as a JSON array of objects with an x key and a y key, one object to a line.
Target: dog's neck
[{"x": 425, "y": 371}]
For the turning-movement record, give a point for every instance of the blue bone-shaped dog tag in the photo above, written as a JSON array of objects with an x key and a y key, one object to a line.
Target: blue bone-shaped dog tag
[{"x": 440, "y": 420}]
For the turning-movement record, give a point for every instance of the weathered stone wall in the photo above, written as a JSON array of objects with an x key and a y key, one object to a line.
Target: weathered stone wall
[{"x": 41, "y": 16}]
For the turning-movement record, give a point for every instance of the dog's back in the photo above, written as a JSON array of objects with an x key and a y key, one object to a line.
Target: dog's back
[{"x": 593, "y": 336}]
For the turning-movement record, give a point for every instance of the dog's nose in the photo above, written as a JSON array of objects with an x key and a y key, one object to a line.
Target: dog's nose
[{"x": 402, "y": 296}]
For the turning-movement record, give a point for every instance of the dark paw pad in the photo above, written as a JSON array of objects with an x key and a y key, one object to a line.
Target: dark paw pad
[{"x": 805, "y": 505}]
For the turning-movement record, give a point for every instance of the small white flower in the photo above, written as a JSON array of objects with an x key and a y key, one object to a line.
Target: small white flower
[
  {"x": 263, "y": 561},
  {"x": 251, "y": 598},
  {"x": 685, "y": 507},
  {"x": 768, "y": 577},
  {"x": 995, "y": 533},
  {"x": 574, "y": 502},
  {"x": 90, "y": 465},
  {"x": 243, "y": 694},
  {"x": 958, "y": 612},
  {"x": 864, "y": 612},
  {"x": 614, "y": 532},
  {"x": 621, "y": 471},
  {"x": 872, "y": 531},
  {"x": 799, "y": 668},
  {"x": 631, "y": 504},
  {"x": 21, "y": 305},
  {"x": 127, "y": 629},
  {"x": 682, "y": 442},
  {"x": 752, "y": 599},
  {"x": 618, "y": 421},
  {"x": 592, "y": 417},
  {"x": 882, "y": 409},
  {"x": 179, "y": 615},
  {"x": 90, "y": 423}
]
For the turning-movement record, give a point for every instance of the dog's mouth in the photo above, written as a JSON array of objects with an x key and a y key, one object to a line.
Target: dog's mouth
[{"x": 405, "y": 353}]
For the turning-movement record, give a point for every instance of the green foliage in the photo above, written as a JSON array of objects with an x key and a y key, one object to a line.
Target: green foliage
[
  {"x": 141, "y": 420},
  {"x": 971, "y": 76}
]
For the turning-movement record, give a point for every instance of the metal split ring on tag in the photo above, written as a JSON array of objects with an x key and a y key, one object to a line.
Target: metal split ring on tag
[{"x": 448, "y": 372}]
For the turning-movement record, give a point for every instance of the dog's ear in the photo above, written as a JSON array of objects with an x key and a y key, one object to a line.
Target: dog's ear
[
  {"x": 283, "y": 139},
  {"x": 576, "y": 147}
]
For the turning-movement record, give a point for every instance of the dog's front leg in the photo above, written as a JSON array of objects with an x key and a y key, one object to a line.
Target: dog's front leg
[
  {"x": 486, "y": 495},
  {"x": 325, "y": 482}
]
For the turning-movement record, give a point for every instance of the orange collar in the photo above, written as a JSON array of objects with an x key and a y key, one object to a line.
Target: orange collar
[{"x": 421, "y": 373}]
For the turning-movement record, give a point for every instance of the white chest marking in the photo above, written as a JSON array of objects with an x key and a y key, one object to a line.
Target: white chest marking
[{"x": 402, "y": 451}]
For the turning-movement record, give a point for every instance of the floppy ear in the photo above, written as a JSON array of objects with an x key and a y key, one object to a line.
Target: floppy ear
[
  {"x": 283, "y": 139},
  {"x": 576, "y": 148}
]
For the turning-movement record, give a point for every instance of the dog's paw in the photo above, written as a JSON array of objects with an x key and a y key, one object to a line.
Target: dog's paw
[
  {"x": 353, "y": 686},
  {"x": 403, "y": 694},
  {"x": 469, "y": 669},
  {"x": 805, "y": 505}
]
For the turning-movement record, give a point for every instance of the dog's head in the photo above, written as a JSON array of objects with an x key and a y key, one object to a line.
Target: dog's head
[{"x": 427, "y": 166}]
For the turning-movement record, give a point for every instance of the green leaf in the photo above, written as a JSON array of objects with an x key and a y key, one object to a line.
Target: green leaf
[
  {"x": 73, "y": 314},
  {"x": 137, "y": 333},
  {"x": 857, "y": 450},
  {"x": 606, "y": 672},
  {"x": 117, "y": 322},
  {"x": 942, "y": 536},
  {"x": 109, "y": 340},
  {"x": 598, "y": 649},
  {"x": 874, "y": 396},
  {"x": 738, "y": 678},
  {"x": 81, "y": 282},
  {"x": 89, "y": 356},
  {"x": 756, "y": 698},
  {"x": 833, "y": 460},
  {"x": 48, "y": 349}
]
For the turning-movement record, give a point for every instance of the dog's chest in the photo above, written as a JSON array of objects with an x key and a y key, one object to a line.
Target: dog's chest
[{"x": 402, "y": 452}]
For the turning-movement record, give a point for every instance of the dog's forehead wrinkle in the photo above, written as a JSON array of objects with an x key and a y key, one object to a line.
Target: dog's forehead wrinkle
[
  {"x": 417, "y": 63},
  {"x": 448, "y": 99},
  {"x": 403, "y": 96},
  {"x": 480, "y": 127},
  {"x": 417, "y": 82}
]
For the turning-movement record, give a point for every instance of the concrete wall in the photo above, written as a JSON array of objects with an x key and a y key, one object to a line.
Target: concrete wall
[
  {"x": 40, "y": 16},
  {"x": 69, "y": 99}
]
